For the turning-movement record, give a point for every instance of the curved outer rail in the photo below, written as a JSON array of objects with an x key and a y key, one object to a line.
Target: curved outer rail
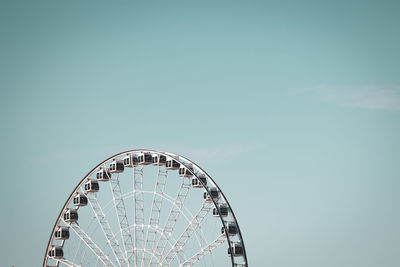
[{"x": 182, "y": 160}]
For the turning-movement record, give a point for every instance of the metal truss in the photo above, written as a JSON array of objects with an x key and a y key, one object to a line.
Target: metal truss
[
  {"x": 204, "y": 251},
  {"x": 122, "y": 218},
  {"x": 138, "y": 202},
  {"x": 105, "y": 227},
  {"x": 187, "y": 233},
  {"x": 91, "y": 244},
  {"x": 154, "y": 219},
  {"x": 171, "y": 221}
]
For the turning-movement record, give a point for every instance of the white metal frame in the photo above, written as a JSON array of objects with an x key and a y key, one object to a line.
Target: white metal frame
[{"x": 147, "y": 248}]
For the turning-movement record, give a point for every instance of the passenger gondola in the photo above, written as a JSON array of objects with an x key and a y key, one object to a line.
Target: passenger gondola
[
  {"x": 237, "y": 249},
  {"x": 172, "y": 164},
  {"x": 214, "y": 192},
  {"x": 103, "y": 175},
  {"x": 80, "y": 200},
  {"x": 130, "y": 160},
  {"x": 159, "y": 160},
  {"x": 62, "y": 233},
  {"x": 196, "y": 181},
  {"x": 56, "y": 252},
  {"x": 71, "y": 215},
  {"x": 231, "y": 228},
  {"x": 92, "y": 186},
  {"x": 186, "y": 171},
  {"x": 116, "y": 166},
  {"x": 145, "y": 158},
  {"x": 223, "y": 211}
]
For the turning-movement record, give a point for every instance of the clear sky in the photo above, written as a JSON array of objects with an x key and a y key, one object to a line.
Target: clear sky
[{"x": 292, "y": 106}]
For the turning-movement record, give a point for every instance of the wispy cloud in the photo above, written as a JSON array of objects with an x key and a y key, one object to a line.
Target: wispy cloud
[{"x": 368, "y": 96}]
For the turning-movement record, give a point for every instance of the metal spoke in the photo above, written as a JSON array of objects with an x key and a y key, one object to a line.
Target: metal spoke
[
  {"x": 187, "y": 233},
  {"x": 171, "y": 221},
  {"x": 155, "y": 212},
  {"x": 138, "y": 201},
  {"x": 204, "y": 251},
  {"x": 106, "y": 228},
  {"x": 91, "y": 244},
  {"x": 122, "y": 218}
]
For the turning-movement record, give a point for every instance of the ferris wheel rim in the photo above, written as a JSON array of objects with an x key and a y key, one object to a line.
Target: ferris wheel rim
[{"x": 176, "y": 157}]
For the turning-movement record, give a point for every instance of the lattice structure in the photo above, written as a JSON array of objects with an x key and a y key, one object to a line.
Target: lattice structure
[
  {"x": 171, "y": 221},
  {"x": 138, "y": 202},
  {"x": 92, "y": 245},
  {"x": 154, "y": 219},
  {"x": 193, "y": 225},
  {"x": 106, "y": 228},
  {"x": 204, "y": 251},
  {"x": 122, "y": 218}
]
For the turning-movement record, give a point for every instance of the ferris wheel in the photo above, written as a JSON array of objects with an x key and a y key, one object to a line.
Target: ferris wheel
[{"x": 146, "y": 208}]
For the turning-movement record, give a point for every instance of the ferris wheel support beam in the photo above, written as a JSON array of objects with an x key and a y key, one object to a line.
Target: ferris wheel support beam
[
  {"x": 138, "y": 201},
  {"x": 122, "y": 218},
  {"x": 105, "y": 227},
  {"x": 154, "y": 219},
  {"x": 171, "y": 221},
  {"x": 187, "y": 233},
  {"x": 204, "y": 251},
  {"x": 91, "y": 244}
]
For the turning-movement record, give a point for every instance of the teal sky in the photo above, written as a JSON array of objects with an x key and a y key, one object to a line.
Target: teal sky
[{"x": 292, "y": 106}]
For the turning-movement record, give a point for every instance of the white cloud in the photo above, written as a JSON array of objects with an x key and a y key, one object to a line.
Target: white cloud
[{"x": 369, "y": 97}]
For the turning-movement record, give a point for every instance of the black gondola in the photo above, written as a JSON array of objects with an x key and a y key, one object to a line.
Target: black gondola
[
  {"x": 103, "y": 175},
  {"x": 172, "y": 164},
  {"x": 196, "y": 183},
  {"x": 71, "y": 215},
  {"x": 92, "y": 186},
  {"x": 80, "y": 200},
  {"x": 223, "y": 211},
  {"x": 62, "y": 233},
  {"x": 116, "y": 166},
  {"x": 130, "y": 160},
  {"x": 214, "y": 192},
  {"x": 237, "y": 249},
  {"x": 56, "y": 252},
  {"x": 186, "y": 171},
  {"x": 231, "y": 228},
  {"x": 159, "y": 160},
  {"x": 145, "y": 158}
]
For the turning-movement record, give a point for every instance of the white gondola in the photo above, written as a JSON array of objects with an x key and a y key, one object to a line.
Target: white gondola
[
  {"x": 231, "y": 228},
  {"x": 62, "y": 233},
  {"x": 71, "y": 215},
  {"x": 103, "y": 175},
  {"x": 214, "y": 192},
  {"x": 223, "y": 211},
  {"x": 116, "y": 166},
  {"x": 130, "y": 160},
  {"x": 159, "y": 160},
  {"x": 80, "y": 200},
  {"x": 92, "y": 186},
  {"x": 172, "y": 164},
  {"x": 237, "y": 249},
  {"x": 56, "y": 252},
  {"x": 145, "y": 158},
  {"x": 186, "y": 171},
  {"x": 196, "y": 183}
]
